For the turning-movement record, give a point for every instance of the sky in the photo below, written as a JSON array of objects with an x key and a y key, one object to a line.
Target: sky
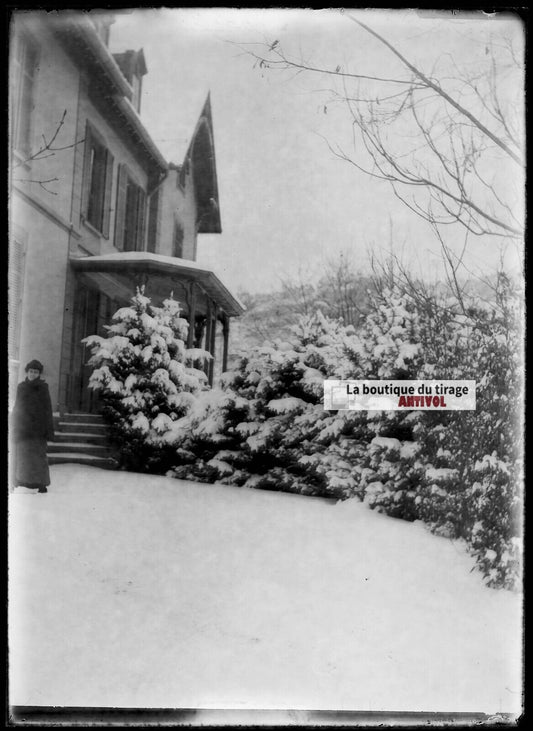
[{"x": 288, "y": 204}]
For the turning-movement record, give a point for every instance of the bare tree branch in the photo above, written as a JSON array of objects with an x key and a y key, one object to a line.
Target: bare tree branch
[
  {"x": 44, "y": 152},
  {"x": 447, "y": 141},
  {"x": 42, "y": 183},
  {"x": 427, "y": 82}
]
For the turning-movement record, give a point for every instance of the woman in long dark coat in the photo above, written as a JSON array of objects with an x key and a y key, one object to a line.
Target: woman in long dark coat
[{"x": 32, "y": 427}]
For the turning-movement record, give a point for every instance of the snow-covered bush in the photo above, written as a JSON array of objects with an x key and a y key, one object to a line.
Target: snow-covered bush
[
  {"x": 391, "y": 478},
  {"x": 266, "y": 427},
  {"x": 146, "y": 379},
  {"x": 458, "y": 471}
]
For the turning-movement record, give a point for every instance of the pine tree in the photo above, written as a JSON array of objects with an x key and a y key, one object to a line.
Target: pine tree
[
  {"x": 146, "y": 379},
  {"x": 262, "y": 428}
]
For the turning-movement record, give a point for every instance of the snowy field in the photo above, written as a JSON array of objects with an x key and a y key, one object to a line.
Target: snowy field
[{"x": 132, "y": 591}]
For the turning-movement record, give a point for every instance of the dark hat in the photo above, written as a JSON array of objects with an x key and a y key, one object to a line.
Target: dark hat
[{"x": 34, "y": 365}]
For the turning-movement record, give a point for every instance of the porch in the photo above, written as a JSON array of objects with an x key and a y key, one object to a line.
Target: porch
[{"x": 99, "y": 285}]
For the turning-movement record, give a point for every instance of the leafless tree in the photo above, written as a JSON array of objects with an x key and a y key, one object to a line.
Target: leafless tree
[
  {"x": 449, "y": 141},
  {"x": 48, "y": 148},
  {"x": 342, "y": 291}
]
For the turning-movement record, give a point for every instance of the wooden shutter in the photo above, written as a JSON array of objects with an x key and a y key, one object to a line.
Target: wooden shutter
[
  {"x": 120, "y": 209},
  {"x": 154, "y": 214},
  {"x": 107, "y": 194},
  {"x": 141, "y": 217},
  {"x": 87, "y": 172}
]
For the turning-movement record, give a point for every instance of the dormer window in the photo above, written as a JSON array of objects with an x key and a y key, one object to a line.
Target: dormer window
[{"x": 133, "y": 66}]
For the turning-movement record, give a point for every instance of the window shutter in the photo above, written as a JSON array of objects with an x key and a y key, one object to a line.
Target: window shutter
[
  {"x": 86, "y": 185},
  {"x": 120, "y": 209},
  {"x": 15, "y": 286},
  {"x": 154, "y": 216},
  {"x": 107, "y": 195},
  {"x": 177, "y": 244},
  {"x": 141, "y": 217}
]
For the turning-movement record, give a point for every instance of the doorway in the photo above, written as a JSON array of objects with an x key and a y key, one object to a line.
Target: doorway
[{"x": 92, "y": 310}]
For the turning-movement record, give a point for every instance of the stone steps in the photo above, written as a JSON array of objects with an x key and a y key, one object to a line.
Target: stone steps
[
  {"x": 82, "y": 439},
  {"x": 79, "y": 447},
  {"x": 83, "y": 418},
  {"x": 78, "y": 426},
  {"x": 106, "y": 463}
]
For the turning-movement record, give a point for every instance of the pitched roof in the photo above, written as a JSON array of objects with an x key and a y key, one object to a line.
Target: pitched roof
[
  {"x": 201, "y": 155},
  {"x": 78, "y": 35}
]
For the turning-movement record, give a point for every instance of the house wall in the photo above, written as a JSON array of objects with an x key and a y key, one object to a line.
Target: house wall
[
  {"x": 89, "y": 240},
  {"x": 40, "y": 214},
  {"x": 41, "y": 316},
  {"x": 178, "y": 202},
  {"x": 55, "y": 92},
  {"x": 92, "y": 109},
  {"x": 46, "y": 219}
]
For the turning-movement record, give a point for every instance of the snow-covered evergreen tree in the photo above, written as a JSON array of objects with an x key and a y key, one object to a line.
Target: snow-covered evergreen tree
[
  {"x": 262, "y": 428},
  {"x": 146, "y": 378}
]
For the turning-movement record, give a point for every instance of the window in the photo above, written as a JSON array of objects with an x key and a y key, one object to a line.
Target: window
[
  {"x": 177, "y": 244},
  {"x": 133, "y": 67},
  {"x": 97, "y": 181},
  {"x": 130, "y": 212},
  {"x": 25, "y": 65}
]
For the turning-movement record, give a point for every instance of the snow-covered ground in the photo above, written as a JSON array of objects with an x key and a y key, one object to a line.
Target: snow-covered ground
[{"x": 129, "y": 590}]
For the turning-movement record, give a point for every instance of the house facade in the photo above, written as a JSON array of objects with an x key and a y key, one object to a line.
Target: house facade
[{"x": 95, "y": 209}]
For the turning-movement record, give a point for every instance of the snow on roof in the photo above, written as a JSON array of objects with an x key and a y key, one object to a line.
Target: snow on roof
[{"x": 157, "y": 263}]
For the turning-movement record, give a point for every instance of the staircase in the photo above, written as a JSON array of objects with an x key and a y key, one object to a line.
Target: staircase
[{"x": 81, "y": 438}]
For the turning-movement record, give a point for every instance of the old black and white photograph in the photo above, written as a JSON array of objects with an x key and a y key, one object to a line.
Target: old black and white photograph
[{"x": 266, "y": 366}]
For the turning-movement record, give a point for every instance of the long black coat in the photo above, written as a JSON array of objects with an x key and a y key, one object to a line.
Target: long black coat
[
  {"x": 32, "y": 425},
  {"x": 32, "y": 414}
]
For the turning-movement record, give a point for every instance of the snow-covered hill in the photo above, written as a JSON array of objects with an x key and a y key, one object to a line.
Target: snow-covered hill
[{"x": 129, "y": 590}]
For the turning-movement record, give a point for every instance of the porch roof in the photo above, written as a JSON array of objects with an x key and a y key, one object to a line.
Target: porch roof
[{"x": 167, "y": 267}]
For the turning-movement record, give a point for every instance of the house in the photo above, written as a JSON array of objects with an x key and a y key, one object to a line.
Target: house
[{"x": 95, "y": 208}]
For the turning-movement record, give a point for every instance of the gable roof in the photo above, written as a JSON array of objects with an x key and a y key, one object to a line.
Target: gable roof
[
  {"x": 201, "y": 157},
  {"x": 78, "y": 34}
]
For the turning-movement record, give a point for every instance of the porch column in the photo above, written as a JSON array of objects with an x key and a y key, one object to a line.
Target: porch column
[
  {"x": 208, "y": 330},
  {"x": 225, "y": 331},
  {"x": 140, "y": 280},
  {"x": 192, "y": 313},
  {"x": 212, "y": 343}
]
